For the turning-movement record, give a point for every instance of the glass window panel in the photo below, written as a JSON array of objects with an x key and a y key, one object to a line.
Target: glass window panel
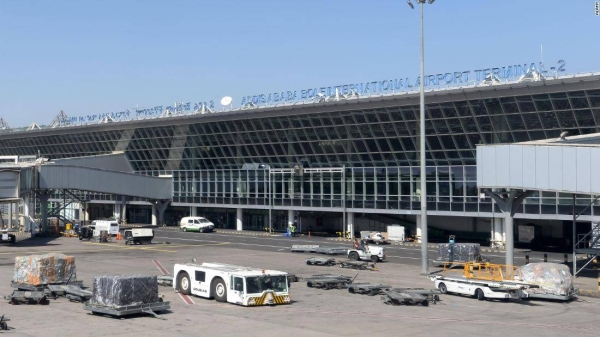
[
  {"x": 463, "y": 108},
  {"x": 455, "y": 125},
  {"x": 542, "y": 102},
  {"x": 409, "y": 114},
  {"x": 478, "y": 107},
  {"x": 549, "y": 120},
  {"x": 461, "y": 141},
  {"x": 515, "y": 121},
  {"x": 485, "y": 124},
  {"x": 509, "y": 105},
  {"x": 440, "y": 126},
  {"x": 434, "y": 111},
  {"x": 585, "y": 118},
  {"x": 447, "y": 142},
  {"x": 532, "y": 121},
  {"x": 566, "y": 119},
  {"x": 469, "y": 124},
  {"x": 493, "y": 106},
  {"x": 578, "y": 100},
  {"x": 525, "y": 103},
  {"x": 434, "y": 143},
  {"x": 560, "y": 101},
  {"x": 594, "y": 98},
  {"x": 521, "y": 136}
]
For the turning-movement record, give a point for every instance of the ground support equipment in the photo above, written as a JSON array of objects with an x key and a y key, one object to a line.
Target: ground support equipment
[
  {"x": 329, "y": 281},
  {"x": 3, "y": 320},
  {"x": 367, "y": 289},
  {"x": 74, "y": 293},
  {"x": 166, "y": 280},
  {"x": 410, "y": 296},
  {"x": 320, "y": 261},
  {"x": 119, "y": 311},
  {"x": 27, "y": 297},
  {"x": 358, "y": 265}
]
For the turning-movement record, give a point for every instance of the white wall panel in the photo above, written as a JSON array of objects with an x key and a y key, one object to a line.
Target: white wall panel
[
  {"x": 583, "y": 169},
  {"x": 516, "y": 165},
  {"x": 554, "y": 164}
]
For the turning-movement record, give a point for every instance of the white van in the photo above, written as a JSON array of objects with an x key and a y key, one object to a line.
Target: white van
[
  {"x": 111, "y": 226},
  {"x": 196, "y": 224}
]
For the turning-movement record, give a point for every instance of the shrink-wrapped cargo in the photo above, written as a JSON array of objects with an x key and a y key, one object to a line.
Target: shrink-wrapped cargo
[
  {"x": 552, "y": 278},
  {"x": 43, "y": 269},
  {"x": 124, "y": 290}
]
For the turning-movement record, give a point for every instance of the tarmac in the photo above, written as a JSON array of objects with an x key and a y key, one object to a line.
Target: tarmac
[{"x": 314, "y": 312}]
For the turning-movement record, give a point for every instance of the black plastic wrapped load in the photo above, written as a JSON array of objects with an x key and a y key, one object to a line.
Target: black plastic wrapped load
[
  {"x": 459, "y": 252},
  {"x": 124, "y": 290}
]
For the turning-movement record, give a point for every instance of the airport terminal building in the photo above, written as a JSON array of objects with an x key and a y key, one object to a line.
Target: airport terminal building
[{"x": 339, "y": 161}]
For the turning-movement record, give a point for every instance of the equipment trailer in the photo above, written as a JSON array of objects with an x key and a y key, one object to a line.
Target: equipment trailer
[
  {"x": 398, "y": 296},
  {"x": 329, "y": 281},
  {"x": 483, "y": 280},
  {"x": 358, "y": 265},
  {"x": 321, "y": 261},
  {"x": 367, "y": 289}
]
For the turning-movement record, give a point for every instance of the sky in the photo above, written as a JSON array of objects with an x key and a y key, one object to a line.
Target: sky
[{"x": 95, "y": 57}]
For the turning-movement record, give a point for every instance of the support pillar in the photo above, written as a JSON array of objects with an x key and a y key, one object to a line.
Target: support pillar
[
  {"x": 498, "y": 237},
  {"x": 238, "y": 219},
  {"x": 351, "y": 224},
  {"x": 123, "y": 208},
  {"x": 10, "y": 214},
  {"x": 154, "y": 215},
  {"x": 25, "y": 217},
  {"x": 419, "y": 231},
  {"x": 117, "y": 212},
  {"x": 193, "y": 211},
  {"x": 508, "y": 201},
  {"x": 161, "y": 206},
  {"x": 44, "y": 208},
  {"x": 290, "y": 221}
]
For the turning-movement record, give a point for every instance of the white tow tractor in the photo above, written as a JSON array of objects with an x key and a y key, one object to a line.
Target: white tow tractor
[
  {"x": 370, "y": 253},
  {"x": 234, "y": 284}
]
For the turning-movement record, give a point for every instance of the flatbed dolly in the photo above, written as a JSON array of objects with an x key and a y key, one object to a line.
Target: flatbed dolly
[
  {"x": 358, "y": 265},
  {"x": 329, "y": 281},
  {"x": 120, "y": 311},
  {"x": 27, "y": 297},
  {"x": 410, "y": 296},
  {"x": 321, "y": 261},
  {"x": 3, "y": 320},
  {"x": 367, "y": 289},
  {"x": 319, "y": 249},
  {"x": 165, "y": 280},
  {"x": 74, "y": 293}
]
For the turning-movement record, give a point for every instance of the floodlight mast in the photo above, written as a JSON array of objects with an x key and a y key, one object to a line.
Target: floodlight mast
[{"x": 423, "y": 159}]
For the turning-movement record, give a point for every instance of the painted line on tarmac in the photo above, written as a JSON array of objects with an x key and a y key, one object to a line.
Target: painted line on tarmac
[
  {"x": 223, "y": 243},
  {"x": 162, "y": 269},
  {"x": 133, "y": 248}
]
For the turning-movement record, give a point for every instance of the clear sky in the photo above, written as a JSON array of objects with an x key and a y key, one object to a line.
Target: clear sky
[{"x": 93, "y": 57}]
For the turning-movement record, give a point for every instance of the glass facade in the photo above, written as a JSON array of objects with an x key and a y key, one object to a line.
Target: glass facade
[{"x": 376, "y": 147}]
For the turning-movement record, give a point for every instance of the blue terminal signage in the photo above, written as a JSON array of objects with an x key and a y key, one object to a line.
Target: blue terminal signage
[{"x": 453, "y": 78}]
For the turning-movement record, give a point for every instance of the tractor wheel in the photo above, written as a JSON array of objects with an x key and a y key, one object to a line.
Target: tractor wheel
[
  {"x": 353, "y": 256},
  {"x": 219, "y": 290},
  {"x": 185, "y": 284}
]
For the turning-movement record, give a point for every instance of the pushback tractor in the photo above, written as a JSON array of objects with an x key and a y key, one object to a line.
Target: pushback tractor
[{"x": 234, "y": 284}]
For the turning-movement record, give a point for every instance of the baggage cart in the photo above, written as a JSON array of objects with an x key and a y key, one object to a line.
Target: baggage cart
[
  {"x": 329, "y": 282},
  {"x": 410, "y": 296},
  {"x": 320, "y": 261},
  {"x": 360, "y": 265},
  {"x": 166, "y": 280},
  {"x": 27, "y": 297},
  {"x": 367, "y": 289}
]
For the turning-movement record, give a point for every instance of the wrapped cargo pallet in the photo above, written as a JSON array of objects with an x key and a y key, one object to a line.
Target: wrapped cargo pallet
[
  {"x": 459, "y": 252},
  {"x": 124, "y": 290},
  {"x": 36, "y": 270},
  {"x": 552, "y": 278}
]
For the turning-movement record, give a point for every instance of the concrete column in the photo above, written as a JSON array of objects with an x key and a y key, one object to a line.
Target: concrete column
[
  {"x": 290, "y": 217},
  {"x": 193, "y": 211},
  {"x": 238, "y": 219},
  {"x": 510, "y": 242},
  {"x": 419, "y": 228},
  {"x": 350, "y": 219},
  {"x": 123, "y": 208},
  {"x": 498, "y": 232},
  {"x": 154, "y": 215},
  {"x": 117, "y": 212},
  {"x": 44, "y": 207},
  {"x": 10, "y": 213}
]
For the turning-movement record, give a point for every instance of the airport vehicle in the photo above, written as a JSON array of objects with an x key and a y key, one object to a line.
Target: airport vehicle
[
  {"x": 482, "y": 281},
  {"x": 7, "y": 237},
  {"x": 111, "y": 226},
  {"x": 86, "y": 232},
  {"x": 196, "y": 224},
  {"x": 321, "y": 261},
  {"x": 408, "y": 296},
  {"x": 373, "y": 237},
  {"x": 374, "y": 254},
  {"x": 234, "y": 284},
  {"x": 138, "y": 236}
]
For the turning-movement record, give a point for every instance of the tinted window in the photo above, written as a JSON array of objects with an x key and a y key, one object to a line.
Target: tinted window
[{"x": 200, "y": 276}]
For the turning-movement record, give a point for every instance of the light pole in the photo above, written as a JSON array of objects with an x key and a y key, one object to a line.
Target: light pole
[{"x": 424, "y": 240}]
